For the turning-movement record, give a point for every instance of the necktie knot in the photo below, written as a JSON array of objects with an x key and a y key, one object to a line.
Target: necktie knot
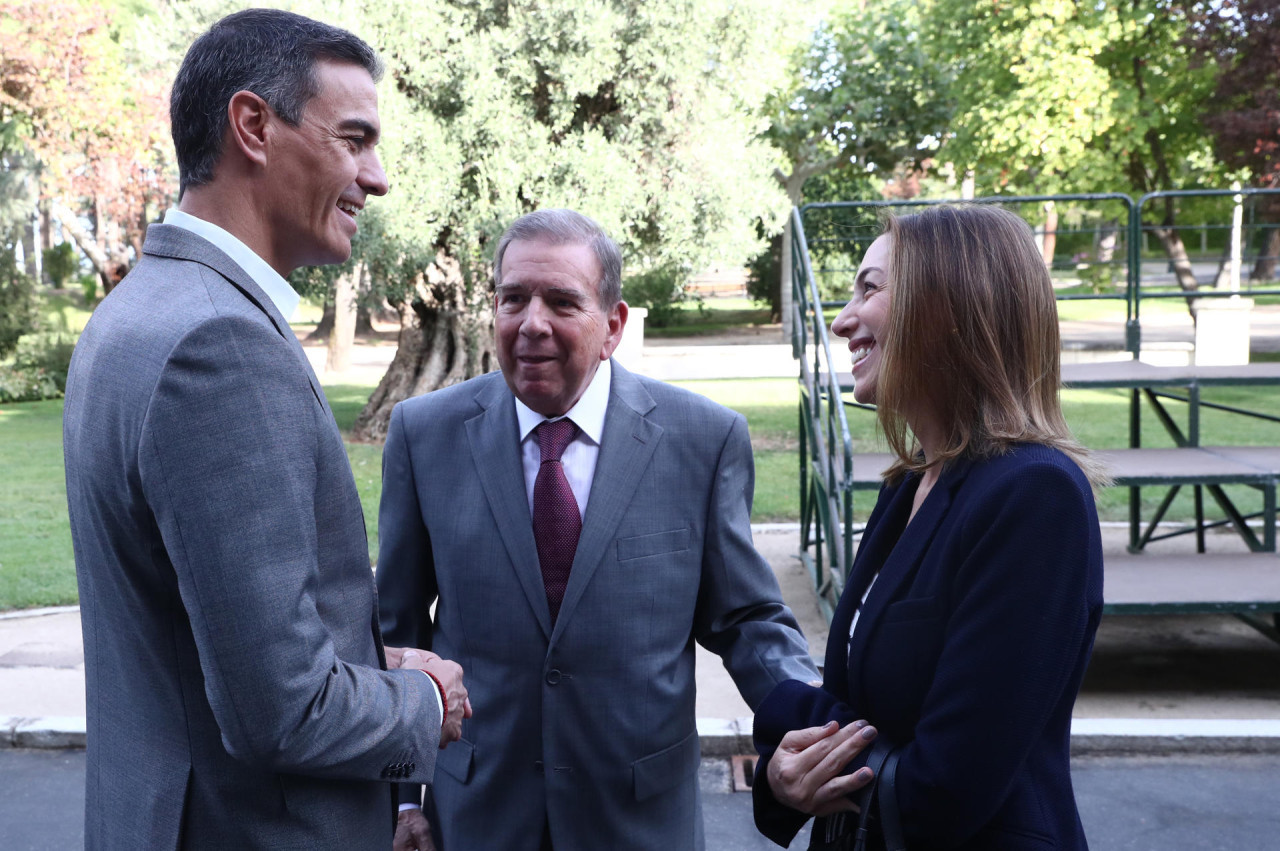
[{"x": 553, "y": 437}]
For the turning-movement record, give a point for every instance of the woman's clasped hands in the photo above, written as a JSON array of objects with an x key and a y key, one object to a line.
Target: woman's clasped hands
[{"x": 805, "y": 772}]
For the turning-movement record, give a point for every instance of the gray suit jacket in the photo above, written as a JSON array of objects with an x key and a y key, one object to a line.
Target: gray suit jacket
[
  {"x": 232, "y": 653},
  {"x": 587, "y": 726}
]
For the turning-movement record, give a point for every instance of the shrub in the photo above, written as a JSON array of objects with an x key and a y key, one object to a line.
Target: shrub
[
  {"x": 20, "y": 384},
  {"x": 19, "y": 311},
  {"x": 60, "y": 263},
  {"x": 89, "y": 283},
  {"x": 764, "y": 278},
  {"x": 661, "y": 291}
]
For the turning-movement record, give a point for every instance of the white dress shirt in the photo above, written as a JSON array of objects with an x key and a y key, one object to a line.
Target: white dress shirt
[
  {"x": 283, "y": 296},
  {"x": 268, "y": 280},
  {"x": 580, "y": 456}
]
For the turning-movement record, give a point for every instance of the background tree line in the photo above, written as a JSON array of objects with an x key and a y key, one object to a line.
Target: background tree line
[{"x": 686, "y": 127}]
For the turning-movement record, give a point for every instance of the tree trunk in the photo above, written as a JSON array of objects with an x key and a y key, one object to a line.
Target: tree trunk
[
  {"x": 1264, "y": 269},
  {"x": 438, "y": 346},
  {"x": 1107, "y": 239},
  {"x": 30, "y": 253},
  {"x": 364, "y": 320},
  {"x": 1050, "y": 240},
  {"x": 1222, "y": 280},
  {"x": 111, "y": 268},
  {"x": 343, "y": 335},
  {"x": 325, "y": 326},
  {"x": 1176, "y": 251}
]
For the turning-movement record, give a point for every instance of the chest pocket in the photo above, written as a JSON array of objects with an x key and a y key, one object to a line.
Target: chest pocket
[{"x": 656, "y": 544}]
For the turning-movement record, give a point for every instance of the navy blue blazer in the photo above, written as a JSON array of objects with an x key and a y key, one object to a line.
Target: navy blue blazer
[{"x": 968, "y": 654}]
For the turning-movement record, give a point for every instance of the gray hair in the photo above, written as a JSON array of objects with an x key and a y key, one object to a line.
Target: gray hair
[
  {"x": 269, "y": 52},
  {"x": 567, "y": 227}
]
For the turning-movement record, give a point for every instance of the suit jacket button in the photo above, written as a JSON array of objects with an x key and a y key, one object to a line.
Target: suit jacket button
[
  {"x": 537, "y": 765},
  {"x": 553, "y": 677},
  {"x": 410, "y": 768}
]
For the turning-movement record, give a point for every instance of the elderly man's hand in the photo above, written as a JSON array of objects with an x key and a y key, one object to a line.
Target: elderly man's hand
[
  {"x": 449, "y": 675},
  {"x": 804, "y": 772},
  {"x": 413, "y": 833}
]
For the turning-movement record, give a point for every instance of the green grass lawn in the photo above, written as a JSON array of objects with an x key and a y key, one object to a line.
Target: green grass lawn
[{"x": 36, "y": 566}]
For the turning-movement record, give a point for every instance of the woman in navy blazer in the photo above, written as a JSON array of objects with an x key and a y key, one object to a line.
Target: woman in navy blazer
[{"x": 968, "y": 617}]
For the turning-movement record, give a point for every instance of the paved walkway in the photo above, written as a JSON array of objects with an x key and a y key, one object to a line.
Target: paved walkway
[{"x": 1172, "y": 678}]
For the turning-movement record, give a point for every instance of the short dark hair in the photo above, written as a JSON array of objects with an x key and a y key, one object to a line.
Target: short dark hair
[
  {"x": 269, "y": 52},
  {"x": 567, "y": 227}
]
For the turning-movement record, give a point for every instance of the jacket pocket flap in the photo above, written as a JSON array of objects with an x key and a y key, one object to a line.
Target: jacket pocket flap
[
  {"x": 918, "y": 609},
  {"x": 659, "y": 543},
  {"x": 456, "y": 760},
  {"x": 660, "y": 771}
]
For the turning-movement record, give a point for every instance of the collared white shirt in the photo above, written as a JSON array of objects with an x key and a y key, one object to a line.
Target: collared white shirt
[
  {"x": 277, "y": 288},
  {"x": 580, "y": 456}
]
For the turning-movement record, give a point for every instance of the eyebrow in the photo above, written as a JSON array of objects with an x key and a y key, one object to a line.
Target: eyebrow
[
  {"x": 370, "y": 132},
  {"x": 862, "y": 273}
]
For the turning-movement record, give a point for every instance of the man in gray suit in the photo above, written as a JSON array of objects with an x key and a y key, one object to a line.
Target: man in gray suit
[
  {"x": 577, "y": 528},
  {"x": 236, "y": 684}
]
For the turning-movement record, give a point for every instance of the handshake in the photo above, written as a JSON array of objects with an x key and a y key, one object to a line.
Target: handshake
[{"x": 448, "y": 675}]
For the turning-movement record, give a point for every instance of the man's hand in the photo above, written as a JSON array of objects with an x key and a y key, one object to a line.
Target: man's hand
[
  {"x": 804, "y": 772},
  {"x": 412, "y": 832},
  {"x": 449, "y": 674}
]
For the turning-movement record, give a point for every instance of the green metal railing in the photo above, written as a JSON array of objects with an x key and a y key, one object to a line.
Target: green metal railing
[{"x": 827, "y": 480}]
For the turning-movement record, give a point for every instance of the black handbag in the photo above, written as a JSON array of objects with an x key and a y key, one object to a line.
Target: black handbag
[{"x": 850, "y": 831}]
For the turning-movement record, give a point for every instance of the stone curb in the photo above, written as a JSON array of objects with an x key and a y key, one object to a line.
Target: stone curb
[
  {"x": 1089, "y": 737},
  {"x": 721, "y": 738},
  {"x": 48, "y": 732}
]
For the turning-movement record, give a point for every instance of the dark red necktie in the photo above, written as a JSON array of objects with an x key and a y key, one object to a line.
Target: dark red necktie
[{"x": 556, "y": 520}]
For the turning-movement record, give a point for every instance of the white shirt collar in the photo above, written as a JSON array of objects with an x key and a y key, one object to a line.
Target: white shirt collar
[
  {"x": 277, "y": 288},
  {"x": 588, "y": 414}
]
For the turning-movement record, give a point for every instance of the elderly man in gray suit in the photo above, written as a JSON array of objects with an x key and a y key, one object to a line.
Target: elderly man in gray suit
[
  {"x": 236, "y": 682},
  {"x": 577, "y": 528}
]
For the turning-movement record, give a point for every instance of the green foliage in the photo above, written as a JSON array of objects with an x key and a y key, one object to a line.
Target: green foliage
[
  {"x": 864, "y": 97},
  {"x": 662, "y": 292},
  {"x": 1053, "y": 96},
  {"x": 764, "y": 277},
  {"x": 639, "y": 114},
  {"x": 19, "y": 310},
  {"x": 60, "y": 263}
]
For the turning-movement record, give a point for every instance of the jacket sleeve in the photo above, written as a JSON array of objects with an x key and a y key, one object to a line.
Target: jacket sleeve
[
  {"x": 228, "y": 462},
  {"x": 406, "y": 570},
  {"x": 740, "y": 613},
  {"x": 793, "y": 705}
]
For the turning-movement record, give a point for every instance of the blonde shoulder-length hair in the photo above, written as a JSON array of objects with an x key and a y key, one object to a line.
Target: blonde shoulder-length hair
[{"x": 972, "y": 336}]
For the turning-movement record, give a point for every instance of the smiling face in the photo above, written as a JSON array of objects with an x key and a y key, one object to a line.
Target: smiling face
[
  {"x": 551, "y": 330},
  {"x": 321, "y": 171},
  {"x": 865, "y": 318}
]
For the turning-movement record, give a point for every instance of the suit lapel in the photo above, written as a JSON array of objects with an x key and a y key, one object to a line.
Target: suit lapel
[
  {"x": 494, "y": 437},
  {"x": 902, "y": 561},
  {"x": 626, "y": 447},
  {"x": 181, "y": 244},
  {"x": 877, "y": 542}
]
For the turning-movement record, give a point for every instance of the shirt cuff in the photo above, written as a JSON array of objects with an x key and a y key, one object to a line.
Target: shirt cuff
[
  {"x": 435, "y": 690},
  {"x": 404, "y": 807}
]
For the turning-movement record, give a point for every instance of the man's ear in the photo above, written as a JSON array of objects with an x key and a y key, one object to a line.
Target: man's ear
[
  {"x": 247, "y": 118},
  {"x": 616, "y": 321}
]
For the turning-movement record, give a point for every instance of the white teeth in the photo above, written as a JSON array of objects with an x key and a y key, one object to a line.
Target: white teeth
[
  {"x": 348, "y": 208},
  {"x": 860, "y": 353}
]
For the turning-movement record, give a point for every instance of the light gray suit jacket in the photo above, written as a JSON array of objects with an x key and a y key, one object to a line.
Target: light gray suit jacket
[
  {"x": 232, "y": 653},
  {"x": 587, "y": 726}
]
